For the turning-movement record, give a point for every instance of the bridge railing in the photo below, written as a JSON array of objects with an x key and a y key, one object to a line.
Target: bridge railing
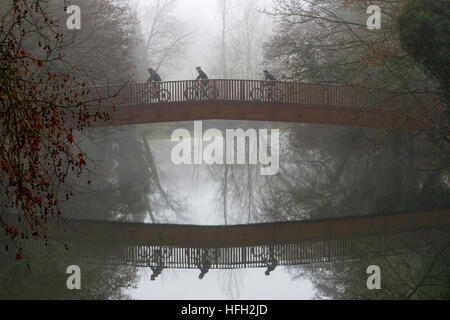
[
  {"x": 180, "y": 257},
  {"x": 248, "y": 91}
]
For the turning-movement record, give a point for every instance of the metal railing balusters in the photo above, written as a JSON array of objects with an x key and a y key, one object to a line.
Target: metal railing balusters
[{"x": 240, "y": 90}]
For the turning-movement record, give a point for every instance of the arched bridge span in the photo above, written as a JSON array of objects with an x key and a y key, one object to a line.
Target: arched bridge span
[{"x": 252, "y": 100}]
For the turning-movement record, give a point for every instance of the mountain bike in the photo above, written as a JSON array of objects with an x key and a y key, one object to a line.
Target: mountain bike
[
  {"x": 156, "y": 256},
  {"x": 198, "y": 92},
  {"x": 264, "y": 253},
  {"x": 199, "y": 255},
  {"x": 154, "y": 93},
  {"x": 267, "y": 92}
]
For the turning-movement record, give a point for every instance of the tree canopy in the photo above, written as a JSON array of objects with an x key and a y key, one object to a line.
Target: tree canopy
[{"x": 423, "y": 28}]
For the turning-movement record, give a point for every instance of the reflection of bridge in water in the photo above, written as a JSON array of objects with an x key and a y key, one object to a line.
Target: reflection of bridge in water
[
  {"x": 249, "y": 246},
  {"x": 245, "y": 100}
]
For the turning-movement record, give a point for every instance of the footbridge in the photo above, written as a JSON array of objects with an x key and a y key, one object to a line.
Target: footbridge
[{"x": 256, "y": 100}]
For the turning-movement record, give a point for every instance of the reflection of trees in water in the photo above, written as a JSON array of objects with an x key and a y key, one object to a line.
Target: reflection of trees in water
[
  {"x": 413, "y": 276},
  {"x": 231, "y": 281},
  {"x": 47, "y": 280},
  {"x": 126, "y": 184},
  {"x": 240, "y": 187},
  {"x": 332, "y": 172}
]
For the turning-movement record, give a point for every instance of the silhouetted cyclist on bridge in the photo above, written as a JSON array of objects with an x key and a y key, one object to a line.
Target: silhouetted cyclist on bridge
[
  {"x": 272, "y": 263},
  {"x": 202, "y": 78},
  {"x": 154, "y": 77},
  {"x": 270, "y": 79},
  {"x": 268, "y": 76}
]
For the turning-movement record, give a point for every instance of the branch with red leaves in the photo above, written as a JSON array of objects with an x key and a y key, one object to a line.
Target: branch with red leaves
[{"x": 38, "y": 148}]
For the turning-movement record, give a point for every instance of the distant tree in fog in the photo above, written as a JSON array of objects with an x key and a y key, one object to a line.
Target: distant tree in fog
[
  {"x": 238, "y": 46},
  {"x": 165, "y": 37}
]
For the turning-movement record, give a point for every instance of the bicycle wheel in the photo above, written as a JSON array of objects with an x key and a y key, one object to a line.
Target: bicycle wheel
[
  {"x": 258, "y": 252},
  {"x": 164, "y": 95},
  {"x": 277, "y": 95},
  {"x": 214, "y": 254},
  {"x": 167, "y": 253},
  {"x": 147, "y": 96},
  {"x": 191, "y": 94},
  {"x": 257, "y": 94},
  {"x": 212, "y": 93}
]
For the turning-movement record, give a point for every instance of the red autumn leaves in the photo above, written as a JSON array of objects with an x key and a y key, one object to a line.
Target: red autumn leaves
[
  {"x": 70, "y": 138},
  {"x": 12, "y": 232}
]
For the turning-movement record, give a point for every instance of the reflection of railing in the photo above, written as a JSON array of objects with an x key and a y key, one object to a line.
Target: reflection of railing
[
  {"x": 245, "y": 246},
  {"x": 307, "y": 252},
  {"x": 246, "y": 91},
  {"x": 196, "y": 255},
  {"x": 154, "y": 256}
]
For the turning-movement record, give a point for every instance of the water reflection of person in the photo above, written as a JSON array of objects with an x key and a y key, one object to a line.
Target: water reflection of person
[
  {"x": 157, "y": 257},
  {"x": 271, "y": 263},
  {"x": 204, "y": 265},
  {"x": 156, "y": 272}
]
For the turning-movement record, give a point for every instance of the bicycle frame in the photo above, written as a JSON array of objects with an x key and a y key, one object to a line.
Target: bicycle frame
[
  {"x": 200, "y": 90},
  {"x": 153, "y": 90},
  {"x": 203, "y": 90}
]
